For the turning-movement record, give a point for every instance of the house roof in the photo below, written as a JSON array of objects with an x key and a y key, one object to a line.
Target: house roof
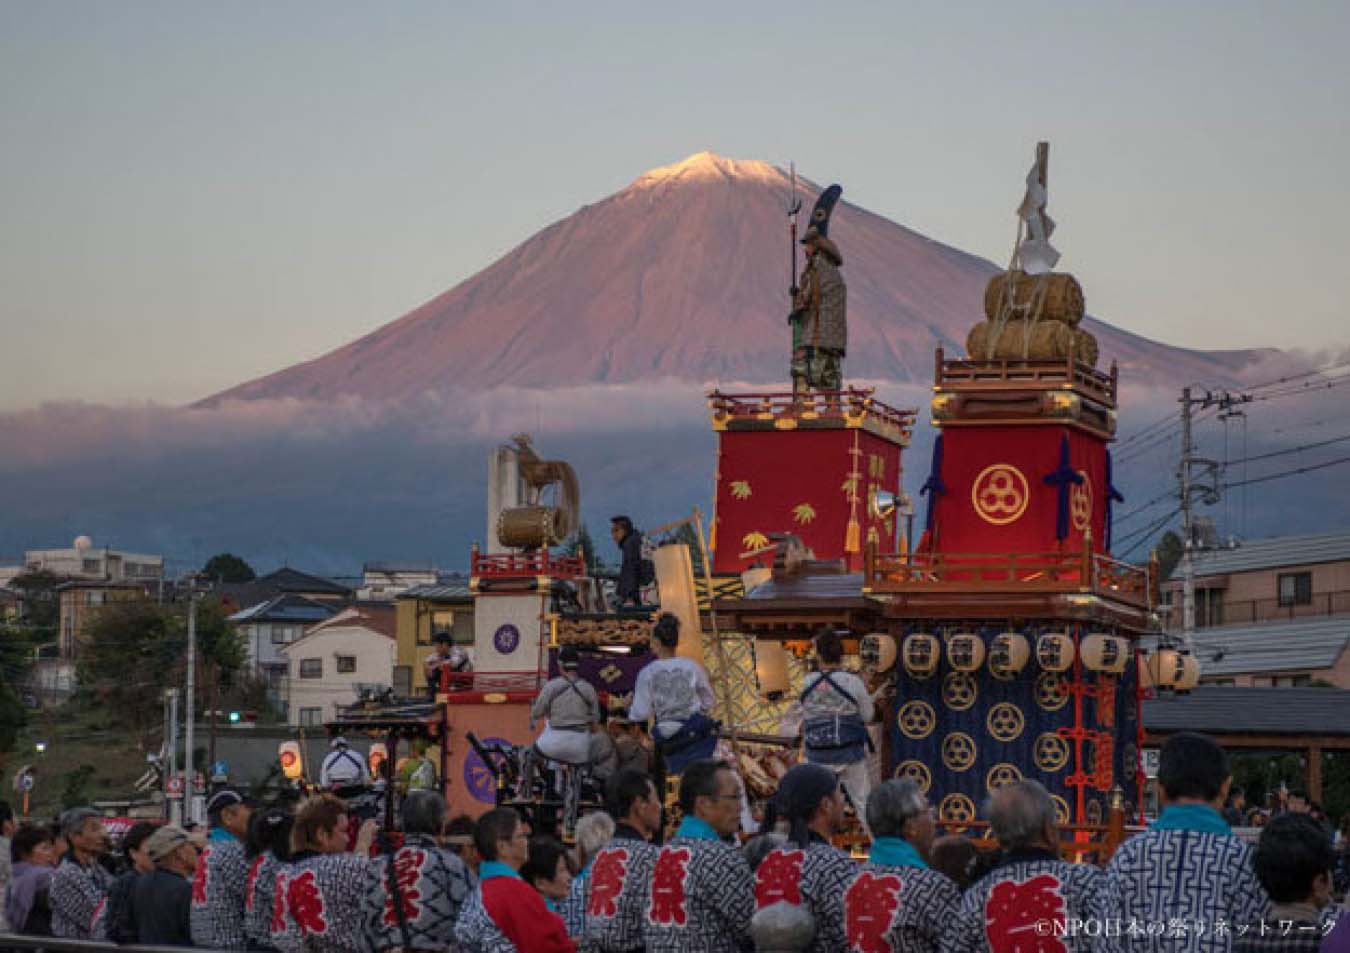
[
  {"x": 1225, "y": 710},
  {"x": 293, "y": 580},
  {"x": 393, "y": 566},
  {"x": 285, "y": 608},
  {"x": 368, "y": 615},
  {"x": 439, "y": 593},
  {"x": 1299, "y": 645},
  {"x": 99, "y": 584},
  {"x": 1272, "y": 553}
]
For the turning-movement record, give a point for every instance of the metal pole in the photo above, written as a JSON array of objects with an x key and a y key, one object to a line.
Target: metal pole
[
  {"x": 175, "y": 814},
  {"x": 188, "y": 772},
  {"x": 1187, "y": 530}
]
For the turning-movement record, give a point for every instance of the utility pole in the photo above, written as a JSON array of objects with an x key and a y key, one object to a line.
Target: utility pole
[
  {"x": 171, "y": 755},
  {"x": 188, "y": 773}
]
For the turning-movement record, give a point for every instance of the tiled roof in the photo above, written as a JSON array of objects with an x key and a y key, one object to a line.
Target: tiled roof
[
  {"x": 1223, "y": 710},
  {"x": 1254, "y": 554},
  {"x": 287, "y": 608},
  {"x": 293, "y": 580},
  {"x": 1300, "y": 645},
  {"x": 438, "y": 593},
  {"x": 372, "y": 616}
]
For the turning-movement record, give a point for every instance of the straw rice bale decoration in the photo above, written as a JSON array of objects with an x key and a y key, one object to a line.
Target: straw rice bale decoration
[
  {"x": 1061, "y": 297},
  {"x": 1023, "y": 340}
]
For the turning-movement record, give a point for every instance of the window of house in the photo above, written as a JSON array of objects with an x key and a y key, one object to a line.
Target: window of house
[
  {"x": 91, "y": 566},
  {"x": 442, "y": 620},
  {"x": 1295, "y": 588},
  {"x": 403, "y": 681},
  {"x": 311, "y": 668},
  {"x": 278, "y": 635},
  {"x": 311, "y": 717},
  {"x": 346, "y": 664}
]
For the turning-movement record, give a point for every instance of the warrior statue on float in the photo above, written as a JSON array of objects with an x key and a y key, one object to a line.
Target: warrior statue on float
[{"x": 818, "y": 319}]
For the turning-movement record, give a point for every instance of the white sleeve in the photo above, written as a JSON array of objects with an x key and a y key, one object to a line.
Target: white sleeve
[
  {"x": 704, "y": 688},
  {"x": 866, "y": 710},
  {"x": 641, "y": 708},
  {"x": 323, "y": 771}
]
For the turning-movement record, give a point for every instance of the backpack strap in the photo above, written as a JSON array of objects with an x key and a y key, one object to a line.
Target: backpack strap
[{"x": 826, "y": 677}]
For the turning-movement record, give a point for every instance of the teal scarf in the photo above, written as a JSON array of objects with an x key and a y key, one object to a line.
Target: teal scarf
[
  {"x": 895, "y": 852},
  {"x": 1200, "y": 818},
  {"x": 696, "y": 829}
]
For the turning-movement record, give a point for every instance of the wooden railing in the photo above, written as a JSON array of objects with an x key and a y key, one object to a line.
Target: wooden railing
[
  {"x": 767, "y": 405},
  {"x": 964, "y": 373},
  {"x": 523, "y": 565},
  {"x": 1084, "y": 571}
]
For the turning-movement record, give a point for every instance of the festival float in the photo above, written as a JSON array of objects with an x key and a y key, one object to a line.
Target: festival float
[{"x": 1004, "y": 643}]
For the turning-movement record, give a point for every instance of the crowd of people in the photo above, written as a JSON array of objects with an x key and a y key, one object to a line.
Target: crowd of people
[{"x": 312, "y": 880}]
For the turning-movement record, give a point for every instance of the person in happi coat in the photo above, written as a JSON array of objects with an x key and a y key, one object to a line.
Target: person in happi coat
[
  {"x": 79, "y": 887},
  {"x": 222, "y": 874},
  {"x": 1031, "y": 890},
  {"x": 808, "y": 870},
  {"x": 674, "y": 692},
  {"x": 616, "y": 896},
  {"x": 701, "y": 894},
  {"x": 1293, "y": 862},
  {"x": 896, "y": 903},
  {"x": 1188, "y": 866},
  {"x": 836, "y": 709},
  {"x": 593, "y": 832},
  {"x": 504, "y": 914},
  {"x": 569, "y": 708},
  {"x": 269, "y": 850},
  {"x": 413, "y": 895},
  {"x": 316, "y": 900}
]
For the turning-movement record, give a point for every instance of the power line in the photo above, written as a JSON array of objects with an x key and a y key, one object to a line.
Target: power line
[
  {"x": 1287, "y": 473},
  {"x": 1289, "y": 450},
  {"x": 1295, "y": 377}
]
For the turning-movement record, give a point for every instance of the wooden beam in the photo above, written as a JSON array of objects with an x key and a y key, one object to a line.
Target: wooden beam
[
  {"x": 1153, "y": 738},
  {"x": 1313, "y": 774}
]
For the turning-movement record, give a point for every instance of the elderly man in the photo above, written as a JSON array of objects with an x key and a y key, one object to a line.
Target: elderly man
[
  {"x": 80, "y": 884},
  {"x": 1188, "y": 867},
  {"x": 896, "y": 903},
  {"x": 622, "y": 868},
  {"x": 1032, "y": 890},
  {"x": 701, "y": 895},
  {"x": 427, "y": 882},
  {"x": 808, "y": 871},
  {"x": 161, "y": 900},
  {"x": 504, "y": 914},
  {"x": 221, "y": 878},
  {"x": 1293, "y": 862}
]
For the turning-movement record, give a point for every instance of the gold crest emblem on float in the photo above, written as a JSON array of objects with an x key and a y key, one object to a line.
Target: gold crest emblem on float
[
  {"x": 958, "y": 691},
  {"x": 917, "y": 772},
  {"x": 916, "y": 719},
  {"x": 958, "y": 751},
  {"x": 1005, "y": 722},
  {"x": 1051, "y": 752},
  {"x": 1080, "y": 503},
  {"x": 1000, "y": 494}
]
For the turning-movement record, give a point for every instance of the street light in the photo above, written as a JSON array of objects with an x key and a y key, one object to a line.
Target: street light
[{"x": 40, "y": 747}]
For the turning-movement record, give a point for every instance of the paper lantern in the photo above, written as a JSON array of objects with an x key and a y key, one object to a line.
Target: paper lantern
[
  {"x": 292, "y": 764},
  {"x": 1102, "y": 652},
  {"x": 919, "y": 653},
  {"x": 376, "y": 757},
  {"x": 1165, "y": 668},
  {"x": 965, "y": 651},
  {"x": 1054, "y": 652},
  {"x": 1008, "y": 653},
  {"x": 771, "y": 667},
  {"x": 877, "y": 651},
  {"x": 1189, "y": 676}
]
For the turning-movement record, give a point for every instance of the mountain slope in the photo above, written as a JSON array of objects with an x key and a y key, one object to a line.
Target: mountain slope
[{"x": 682, "y": 275}]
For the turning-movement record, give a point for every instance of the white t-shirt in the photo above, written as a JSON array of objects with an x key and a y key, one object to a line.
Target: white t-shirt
[{"x": 670, "y": 691}]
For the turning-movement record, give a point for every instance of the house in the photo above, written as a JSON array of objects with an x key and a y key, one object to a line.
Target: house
[
  {"x": 384, "y": 581},
  {"x": 80, "y": 602},
  {"x": 285, "y": 581},
  {"x": 422, "y": 612},
  {"x": 270, "y": 626},
  {"x": 1267, "y": 581},
  {"x": 85, "y": 561},
  {"x": 1276, "y": 654},
  {"x": 336, "y": 659}
]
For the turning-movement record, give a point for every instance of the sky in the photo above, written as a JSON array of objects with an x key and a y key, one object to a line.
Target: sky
[{"x": 195, "y": 194}]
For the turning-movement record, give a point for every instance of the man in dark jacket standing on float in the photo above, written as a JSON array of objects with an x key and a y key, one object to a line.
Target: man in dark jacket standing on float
[{"x": 629, "y": 541}]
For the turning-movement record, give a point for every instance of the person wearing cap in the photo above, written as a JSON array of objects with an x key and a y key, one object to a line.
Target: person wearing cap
[
  {"x": 269, "y": 850},
  {"x": 1032, "y": 885},
  {"x": 570, "y": 707},
  {"x": 80, "y": 884},
  {"x": 343, "y": 767},
  {"x": 819, "y": 315},
  {"x": 317, "y": 897},
  {"x": 222, "y": 874},
  {"x": 161, "y": 900},
  {"x": 808, "y": 870},
  {"x": 413, "y": 895},
  {"x": 701, "y": 894},
  {"x": 896, "y": 903},
  {"x": 447, "y": 656}
]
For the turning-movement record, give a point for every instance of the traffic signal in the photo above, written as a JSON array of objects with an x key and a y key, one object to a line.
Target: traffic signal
[{"x": 236, "y": 717}]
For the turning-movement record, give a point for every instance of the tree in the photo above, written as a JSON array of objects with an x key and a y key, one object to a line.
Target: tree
[
  {"x": 1169, "y": 554},
  {"x": 41, "y": 607},
  {"x": 581, "y": 539},
  {"x": 16, "y": 658},
  {"x": 227, "y": 567},
  {"x": 75, "y": 792}
]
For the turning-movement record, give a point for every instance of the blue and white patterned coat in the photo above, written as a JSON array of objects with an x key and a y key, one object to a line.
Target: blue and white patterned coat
[
  {"x": 433, "y": 886},
  {"x": 1017, "y": 904}
]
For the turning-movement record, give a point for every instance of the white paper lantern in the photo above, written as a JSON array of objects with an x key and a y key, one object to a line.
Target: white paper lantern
[
  {"x": 1054, "y": 652},
  {"x": 1102, "y": 652},
  {"x": 1008, "y": 653},
  {"x": 877, "y": 651},
  {"x": 920, "y": 654},
  {"x": 965, "y": 651}
]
